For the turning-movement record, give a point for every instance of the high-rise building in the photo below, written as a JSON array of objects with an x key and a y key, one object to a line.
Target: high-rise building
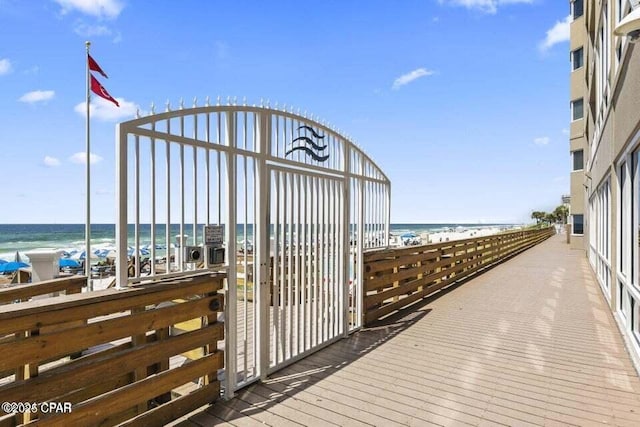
[{"x": 605, "y": 151}]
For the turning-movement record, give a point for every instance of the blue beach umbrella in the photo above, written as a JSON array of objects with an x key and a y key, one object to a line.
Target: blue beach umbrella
[
  {"x": 10, "y": 267},
  {"x": 102, "y": 253},
  {"x": 2, "y": 261},
  {"x": 142, "y": 252},
  {"x": 71, "y": 263}
]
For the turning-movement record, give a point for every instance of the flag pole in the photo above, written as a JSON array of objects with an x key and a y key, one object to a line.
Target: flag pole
[{"x": 87, "y": 232}]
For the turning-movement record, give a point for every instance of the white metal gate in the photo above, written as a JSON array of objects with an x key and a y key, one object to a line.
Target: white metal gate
[{"x": 299, "y": 203}]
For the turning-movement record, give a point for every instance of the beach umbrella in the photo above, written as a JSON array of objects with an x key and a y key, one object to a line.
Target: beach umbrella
[
  {"x": 18, "y": 258},
  {"x": 102, "y": 253},
  {"x": 2, "y": 261},
  {"x": 410, "y": 235},
  {"x": 66, "y": 262},
  {"x": 10, "y": 267},
  {"x": 141, "y": 252}
]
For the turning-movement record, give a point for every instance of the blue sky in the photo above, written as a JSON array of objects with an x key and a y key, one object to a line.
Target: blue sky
[{"x": 463, "y": 103}]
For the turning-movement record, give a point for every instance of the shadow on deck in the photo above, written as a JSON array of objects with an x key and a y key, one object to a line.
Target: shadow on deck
[{"x": 530, "y": 342}]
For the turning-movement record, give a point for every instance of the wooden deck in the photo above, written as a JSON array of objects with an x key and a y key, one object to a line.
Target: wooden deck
[{"x": 530, "y": 342}]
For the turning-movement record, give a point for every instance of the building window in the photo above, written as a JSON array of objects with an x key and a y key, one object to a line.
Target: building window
[
  {"x": 623, "y": 210},
  {"x": 635, "y": 218},
  {"x": 577, "y": 8},
  {"x": 577, "y": 110},
  {"x": 599, "y": 236},
  {"x": 577, "y": 59},
  {"x": 578, "y": 160},
  {"x": 578, "y": 224}
]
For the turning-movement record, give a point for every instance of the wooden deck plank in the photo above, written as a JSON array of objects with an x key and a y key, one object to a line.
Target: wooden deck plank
[
  {"x": 237, "y": 408},
  {"x": 529, "y": 342}
]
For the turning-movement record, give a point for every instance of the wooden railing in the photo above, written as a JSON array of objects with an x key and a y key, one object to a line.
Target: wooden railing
[
  {"x": 17, "y": 293},
  {"x": 144, "y": 355},
  {"x": 396, "y": 278}
]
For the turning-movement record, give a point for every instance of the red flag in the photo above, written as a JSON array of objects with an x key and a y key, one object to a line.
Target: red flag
[
  {"x": 99, "y": 90},
  {"x": 93, "y": 66}
]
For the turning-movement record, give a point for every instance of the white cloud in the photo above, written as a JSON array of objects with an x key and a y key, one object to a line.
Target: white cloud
[
  {"x": 486, "y": 6},
  {"x": 565, "y": 131},
  {"x": 87, "y": 30},
  {"x": 557, "y": 34},
  {"x": 543, "y": 140},
  {"x": 410, "y": 76},
  {"x": 5, "y": 66},
  {"x": 97, "y": 8},
  {"x": 80, "y": 158},
  {"x": 51, "y": 162},
  {"x": 106, "y": 111},
  {"x": 37, "y": 96}
]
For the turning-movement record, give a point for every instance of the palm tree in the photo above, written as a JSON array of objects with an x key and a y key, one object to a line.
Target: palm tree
[
  {"x": 561, "y": 213},
  {"x": 538, "y": 216}
]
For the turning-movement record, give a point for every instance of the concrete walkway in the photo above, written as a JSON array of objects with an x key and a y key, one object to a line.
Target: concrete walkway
[{"x": 530, "y": 342}]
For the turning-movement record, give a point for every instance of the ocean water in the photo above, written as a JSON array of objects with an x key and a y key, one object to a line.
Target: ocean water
[{"x": 25, "y": 237}]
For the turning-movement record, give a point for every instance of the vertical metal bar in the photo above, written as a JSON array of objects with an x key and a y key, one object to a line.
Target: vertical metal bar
[
  {"x": 332, "y": 258},
  {"x": 262, "y": 220},
  {"x": 182, "y": 241},
  {"x": 387, "y": 218},
  {"x": 340, "y": 273},
  {"x": 291, "y": 273},
  {"x": 317, "y": 253},
  {"x": 298, "y": 276},
  {"x": 345, "y": 249},
  {"x": 277, "y": 119},
  {"x": 219, "y": 169},
  {"x": 292, "y": 137},
  {"x": 87, "y": 225},
  {"x": 153, "y": 201},
  {"x": 360, "y": 253},
  {"x": 167, "y": 231},
  {"x": 304, "y": 262},
  {"x": 121, "y": 202},
  {"x": 378, "y": 212},
  {"x": 337, "y": 278},
  {"x": 339, "y": 288},
  {"x": 314, "y": 252},
  {"x": 283, "y": 266},
  {"x": 324, "y": 267},
  {"x": 353, "y": 250},
  {"x": 369, "y": 196},
  {"x": 231, "y": 325},
  {"x": 207, "y": 166},
  {"x": 277, "y": 264},
  {"x": 245, "y": 304},
  {"x": 195, "y": 181},
  {"x": 328, "y": 204},
  {"x": 319, "y": 223},
  {"x": 136, "y": 229}
]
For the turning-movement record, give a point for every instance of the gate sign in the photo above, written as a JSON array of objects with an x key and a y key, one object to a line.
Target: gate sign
[{"x": 213, "y": 235}]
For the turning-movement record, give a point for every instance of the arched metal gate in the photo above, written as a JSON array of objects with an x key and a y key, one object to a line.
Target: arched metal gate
[{"x": 299, "y": 203}]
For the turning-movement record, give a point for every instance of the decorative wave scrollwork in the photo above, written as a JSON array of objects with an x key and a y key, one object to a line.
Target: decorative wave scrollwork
[
  {"x": 308, "y": 146},
  {"x": 313, "y": 132},
  {"x": 309, "y": 152}
]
